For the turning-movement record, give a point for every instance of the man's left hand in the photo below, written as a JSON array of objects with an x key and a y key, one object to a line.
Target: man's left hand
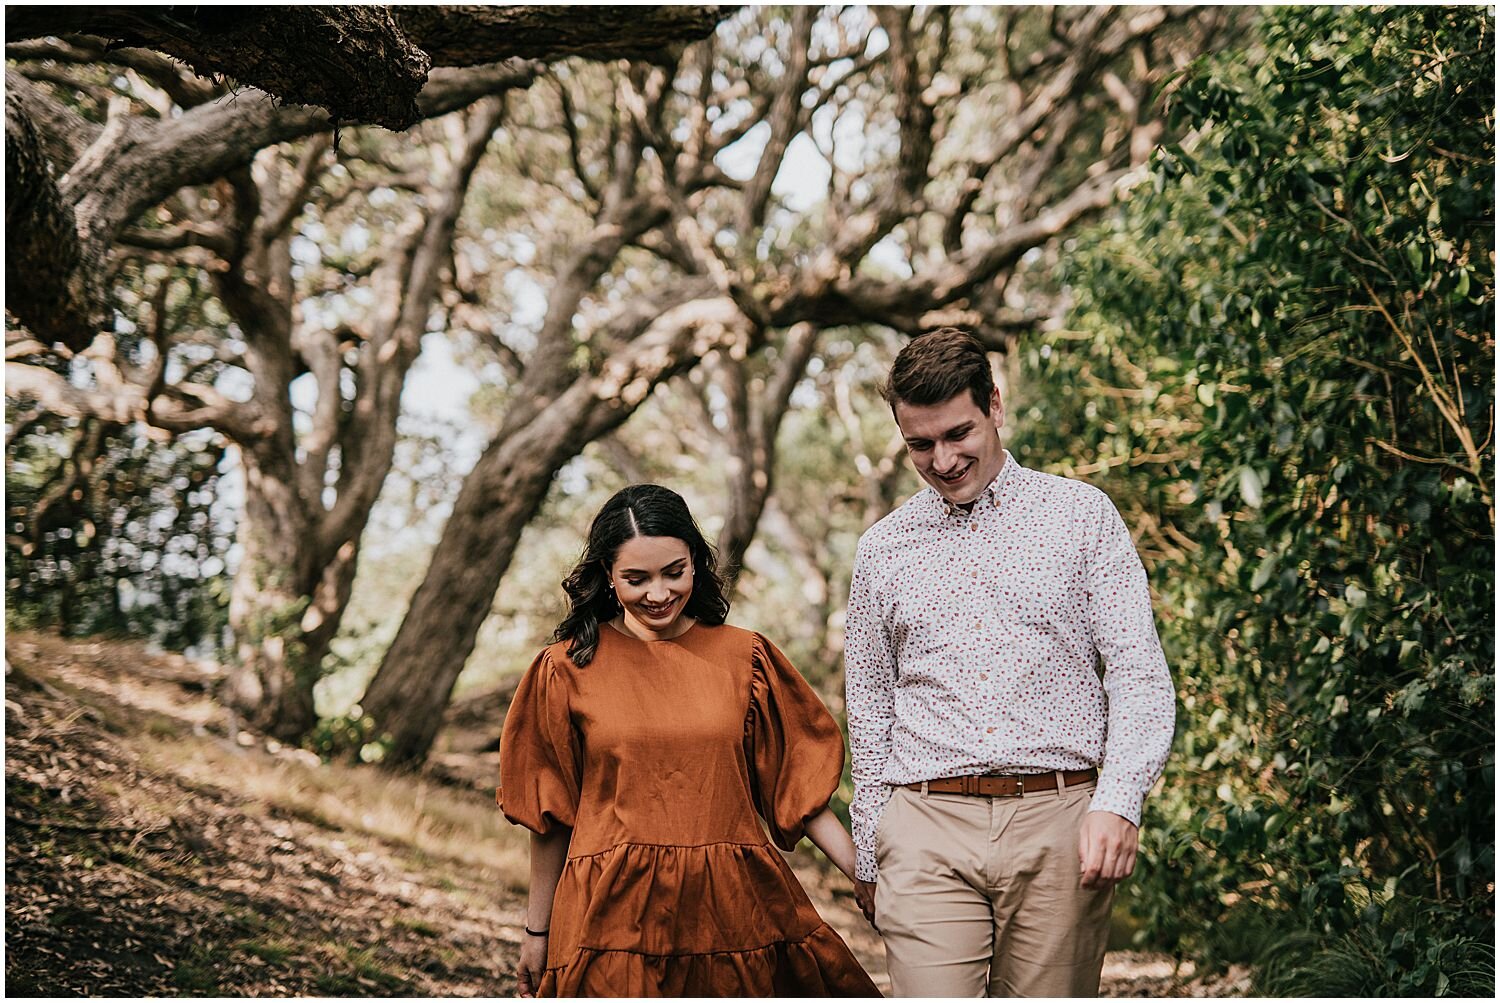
[{"x": 1106, "y": 849}]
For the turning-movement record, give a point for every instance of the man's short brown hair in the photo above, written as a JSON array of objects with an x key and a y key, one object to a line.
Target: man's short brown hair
[{"x": 938, "y": 365}]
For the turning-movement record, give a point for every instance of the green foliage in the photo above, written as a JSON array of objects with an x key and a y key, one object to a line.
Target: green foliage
[
  {"x": 350, "y": 736},
  {"x": 1285, "y": 359},
  {"x": 110, "y": 533},
  {"x": 1408, "y": 955}
]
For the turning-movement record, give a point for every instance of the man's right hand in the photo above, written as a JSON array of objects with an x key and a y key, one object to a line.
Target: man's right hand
[{"x": 864, "y": 894}]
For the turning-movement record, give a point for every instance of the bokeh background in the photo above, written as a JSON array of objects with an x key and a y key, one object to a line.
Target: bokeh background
[{"x": 358, "y": 392}]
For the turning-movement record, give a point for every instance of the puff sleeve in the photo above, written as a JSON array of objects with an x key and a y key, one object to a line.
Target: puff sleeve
[
  {"x": 540, "y": 760},
  {"x": 793, "y": 746}
]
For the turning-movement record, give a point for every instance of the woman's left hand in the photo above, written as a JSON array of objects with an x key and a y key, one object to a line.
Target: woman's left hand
[{"x": 531, "y": 966}]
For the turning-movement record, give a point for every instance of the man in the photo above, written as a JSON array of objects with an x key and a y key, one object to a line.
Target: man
[{"x": 998, "y": 782}]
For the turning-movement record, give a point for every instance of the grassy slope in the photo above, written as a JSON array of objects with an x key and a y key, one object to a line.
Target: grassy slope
[{"x": 146, "y": 854}]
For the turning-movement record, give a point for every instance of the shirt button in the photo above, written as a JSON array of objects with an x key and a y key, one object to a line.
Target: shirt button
[
  {"x": 973, "y": 527},
  {"x": 984, "y": 675},
  {"x": 989, "y": 731},
  {"x": 978, "y": 624}
]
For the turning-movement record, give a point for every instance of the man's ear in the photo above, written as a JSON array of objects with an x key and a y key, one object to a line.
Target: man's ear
[{"x": 997, "y": 407}]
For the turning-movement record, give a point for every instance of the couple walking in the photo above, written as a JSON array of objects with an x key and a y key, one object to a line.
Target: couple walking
[{"x": 998, "y": 782}]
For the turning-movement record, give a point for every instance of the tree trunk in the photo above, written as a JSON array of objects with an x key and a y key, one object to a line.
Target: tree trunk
[
  {"x": 271, "y": 684},
  {"x": 366, "y": 63},
  {"x": 415, "y": 680}
]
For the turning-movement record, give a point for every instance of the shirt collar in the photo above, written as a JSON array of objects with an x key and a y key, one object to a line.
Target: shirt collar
[{"x": 989, "y": 496}]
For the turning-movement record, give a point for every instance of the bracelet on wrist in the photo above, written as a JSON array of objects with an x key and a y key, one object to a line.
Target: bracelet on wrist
[{"x": 536, "y": 933}]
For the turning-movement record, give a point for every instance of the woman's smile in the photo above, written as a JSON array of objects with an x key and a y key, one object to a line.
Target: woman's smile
[{"x": 656, "y": 611}]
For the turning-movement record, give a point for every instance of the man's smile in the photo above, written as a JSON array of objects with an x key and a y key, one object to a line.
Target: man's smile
[{"x": 955, "y": 477}]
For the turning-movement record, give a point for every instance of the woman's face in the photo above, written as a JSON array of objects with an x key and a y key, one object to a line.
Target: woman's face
[{"x": 653, "y": 578}]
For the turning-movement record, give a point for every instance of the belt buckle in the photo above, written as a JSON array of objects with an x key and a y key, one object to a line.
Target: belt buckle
[{"x": 1008, "y": 778}]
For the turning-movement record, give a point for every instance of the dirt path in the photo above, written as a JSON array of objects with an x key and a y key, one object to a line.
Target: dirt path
[{"x": 147, "y": 854}]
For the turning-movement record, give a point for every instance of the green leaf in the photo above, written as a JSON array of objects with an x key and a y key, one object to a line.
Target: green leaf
[
  {"x": 1251, "y": 487},
  {"x": 1263, "y": 572}
]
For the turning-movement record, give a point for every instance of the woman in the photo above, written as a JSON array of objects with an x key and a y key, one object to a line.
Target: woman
[{"x": 640, "y": 748}]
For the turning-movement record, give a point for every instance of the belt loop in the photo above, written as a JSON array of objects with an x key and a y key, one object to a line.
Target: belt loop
[
  {"x": 1062, "y": 788},
  {"x": 924, "y": 790}
]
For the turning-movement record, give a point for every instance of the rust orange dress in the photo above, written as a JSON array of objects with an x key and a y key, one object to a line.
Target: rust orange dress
[{"x": 660, "y": 755}]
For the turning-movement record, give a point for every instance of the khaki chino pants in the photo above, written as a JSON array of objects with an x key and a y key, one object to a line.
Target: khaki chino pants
[{"x": 979, "y": 893}]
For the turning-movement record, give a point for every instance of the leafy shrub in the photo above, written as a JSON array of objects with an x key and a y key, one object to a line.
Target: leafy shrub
[{"x": 1283, "y": 356}]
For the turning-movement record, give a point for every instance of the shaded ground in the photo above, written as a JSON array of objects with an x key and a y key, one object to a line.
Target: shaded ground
[{"x": 148, "y": 853}]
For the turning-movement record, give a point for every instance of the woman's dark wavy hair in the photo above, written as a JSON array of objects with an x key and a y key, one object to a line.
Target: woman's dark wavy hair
[{"x": 639, "y": 510}]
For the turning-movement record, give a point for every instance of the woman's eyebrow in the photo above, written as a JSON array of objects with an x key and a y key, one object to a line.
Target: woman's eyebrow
[{"x": 643, "y": 571}]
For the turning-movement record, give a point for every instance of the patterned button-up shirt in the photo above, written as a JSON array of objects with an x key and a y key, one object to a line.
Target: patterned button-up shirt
[{"x": 973, "y": 643}]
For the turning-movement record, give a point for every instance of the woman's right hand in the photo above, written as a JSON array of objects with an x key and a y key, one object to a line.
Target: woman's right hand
[{"x": 529, "y": 969}]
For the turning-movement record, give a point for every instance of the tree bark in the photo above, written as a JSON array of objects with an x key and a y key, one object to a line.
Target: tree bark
[
  {"x": 41, "y": 241},
  {"x": 466, "y": 35},
  {"x": 276, "y": 661},
  {"x": 352, "y": 61}
]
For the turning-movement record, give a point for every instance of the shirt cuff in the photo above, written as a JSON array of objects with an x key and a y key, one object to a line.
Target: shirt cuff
[
  {"x": 866, "y": 812},
  {"x": 1118, "y": 799}
]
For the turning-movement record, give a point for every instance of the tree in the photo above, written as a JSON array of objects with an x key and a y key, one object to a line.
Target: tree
[
  {"x": 299, "y": 547},
  {"x": 923, "y": 88},
  {"x": 346, "y": 64}
]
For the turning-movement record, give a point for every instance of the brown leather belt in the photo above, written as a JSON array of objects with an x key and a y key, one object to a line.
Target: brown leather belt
[{"x": 1006, "y": 785}]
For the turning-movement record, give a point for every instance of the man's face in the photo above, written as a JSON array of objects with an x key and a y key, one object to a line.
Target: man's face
[{"x": 954, "y": 445}]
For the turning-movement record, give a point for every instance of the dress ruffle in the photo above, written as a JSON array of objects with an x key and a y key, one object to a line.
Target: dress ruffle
[
  {"x": 816, "y": 965},
  {"x": 726, "y": 919}
]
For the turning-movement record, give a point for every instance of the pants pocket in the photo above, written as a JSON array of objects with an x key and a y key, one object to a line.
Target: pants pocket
[{"x": 883, "y": 826}]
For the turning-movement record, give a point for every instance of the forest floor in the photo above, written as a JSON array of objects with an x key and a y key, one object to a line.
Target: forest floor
[{"x": 152, "y": 851}]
